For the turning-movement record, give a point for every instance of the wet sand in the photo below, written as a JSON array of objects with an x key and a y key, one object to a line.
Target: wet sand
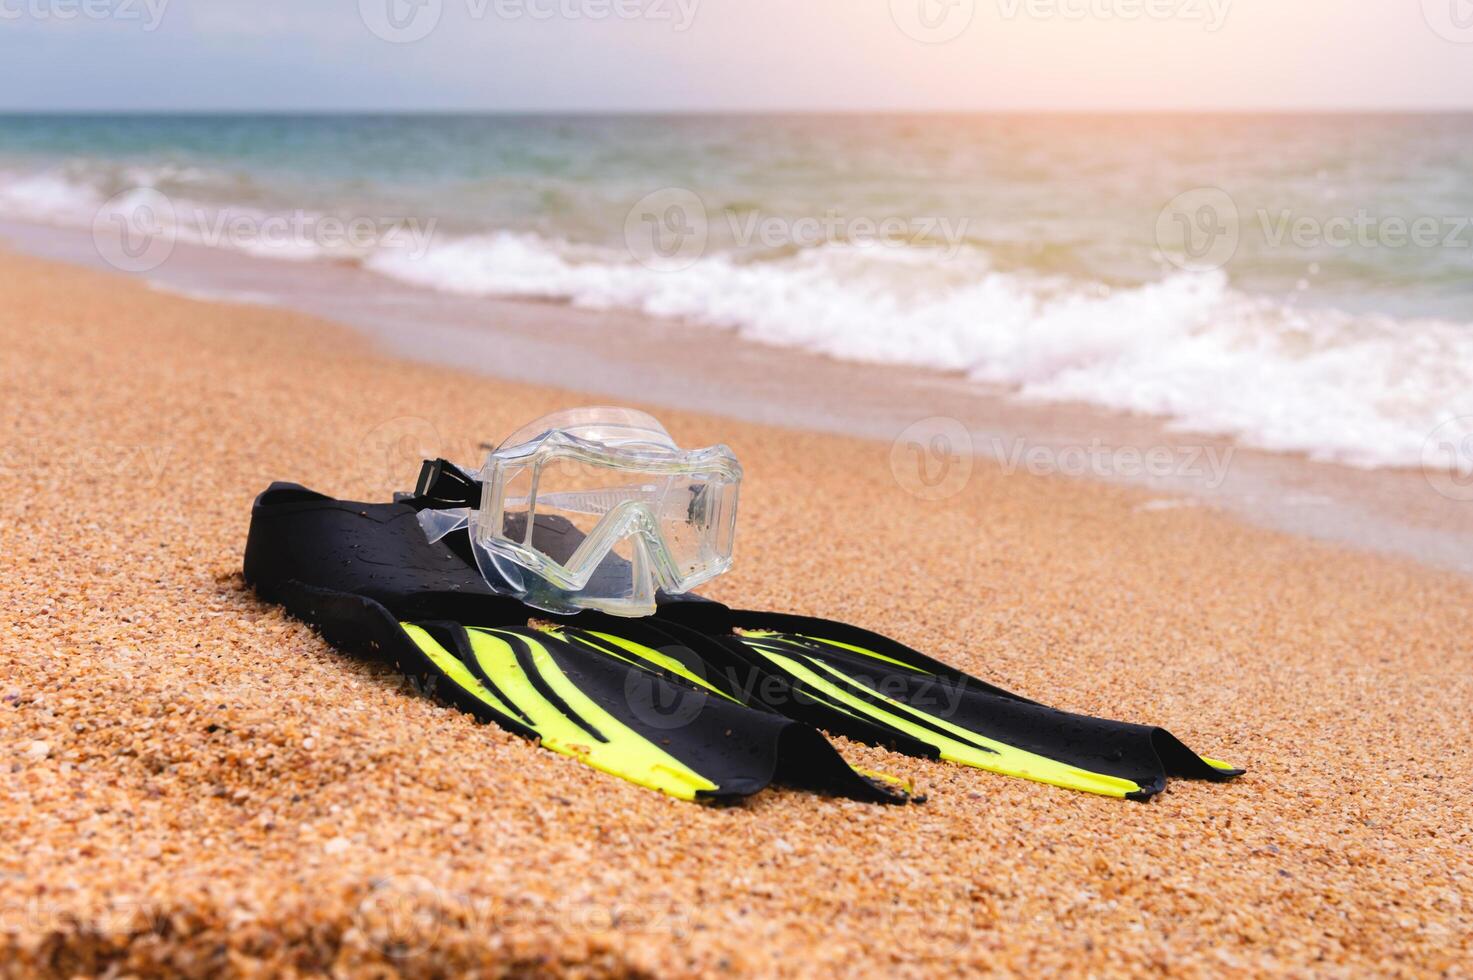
[
  {"x": 194, "y": 782},
  {"x": 621, "y": 355}
]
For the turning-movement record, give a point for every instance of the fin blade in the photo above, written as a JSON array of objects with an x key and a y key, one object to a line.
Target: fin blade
[
  {"x": 622, "y": 752},
  {"x": 976, "y": 751}
]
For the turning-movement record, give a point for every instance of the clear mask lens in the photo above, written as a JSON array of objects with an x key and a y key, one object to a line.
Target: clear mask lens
[{"x": 603, "y": 510}]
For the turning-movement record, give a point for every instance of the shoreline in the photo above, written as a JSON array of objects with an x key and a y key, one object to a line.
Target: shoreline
[
  {"x": 199, "y": 784},
  {"x": 623, "y": 355}
]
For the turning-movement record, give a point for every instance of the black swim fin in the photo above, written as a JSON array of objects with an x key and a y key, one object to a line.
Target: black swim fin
[
  {"x": 367, "y": 577},
  {"x": 870, "y": 688}
]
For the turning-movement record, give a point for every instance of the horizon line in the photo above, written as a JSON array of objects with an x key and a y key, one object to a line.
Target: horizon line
[{"x": 422, "y": 111}]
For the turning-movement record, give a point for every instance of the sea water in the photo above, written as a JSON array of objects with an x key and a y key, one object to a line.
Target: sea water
[{"x": 1300, "y": 283}]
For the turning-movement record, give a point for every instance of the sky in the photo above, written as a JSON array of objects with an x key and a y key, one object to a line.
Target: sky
[{"x": 735, "y": 55}]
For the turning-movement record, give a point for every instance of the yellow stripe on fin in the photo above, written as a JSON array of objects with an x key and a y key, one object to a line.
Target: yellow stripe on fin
[
  {"x": 866, "y": 653},
  {"x": 995, "y": 757},
  {"x": 455, "y": 671},
  {"x": 660, "y": 659},
  {"x": 623, "y": 752}
]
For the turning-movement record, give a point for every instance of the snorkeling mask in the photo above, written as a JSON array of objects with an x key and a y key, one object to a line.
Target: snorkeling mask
[{"x": 597, "y": 508}]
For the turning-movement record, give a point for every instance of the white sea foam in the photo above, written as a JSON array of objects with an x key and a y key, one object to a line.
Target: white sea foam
[
  {"x": 1362, "y": 390},
  {"x": 47, "y": 197},
  {"x": 134, "y": 197},
  {"x": 1357, "y": 389}
]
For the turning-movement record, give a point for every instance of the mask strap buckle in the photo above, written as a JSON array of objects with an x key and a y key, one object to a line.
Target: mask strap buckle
[{"x": 443, "y": 485}]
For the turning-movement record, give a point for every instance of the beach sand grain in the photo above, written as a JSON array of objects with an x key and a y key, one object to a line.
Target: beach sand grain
[{"x": 195, "y": 783}]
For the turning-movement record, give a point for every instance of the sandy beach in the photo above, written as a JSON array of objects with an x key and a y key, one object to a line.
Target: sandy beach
[{"x": 195, "y": 782}]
